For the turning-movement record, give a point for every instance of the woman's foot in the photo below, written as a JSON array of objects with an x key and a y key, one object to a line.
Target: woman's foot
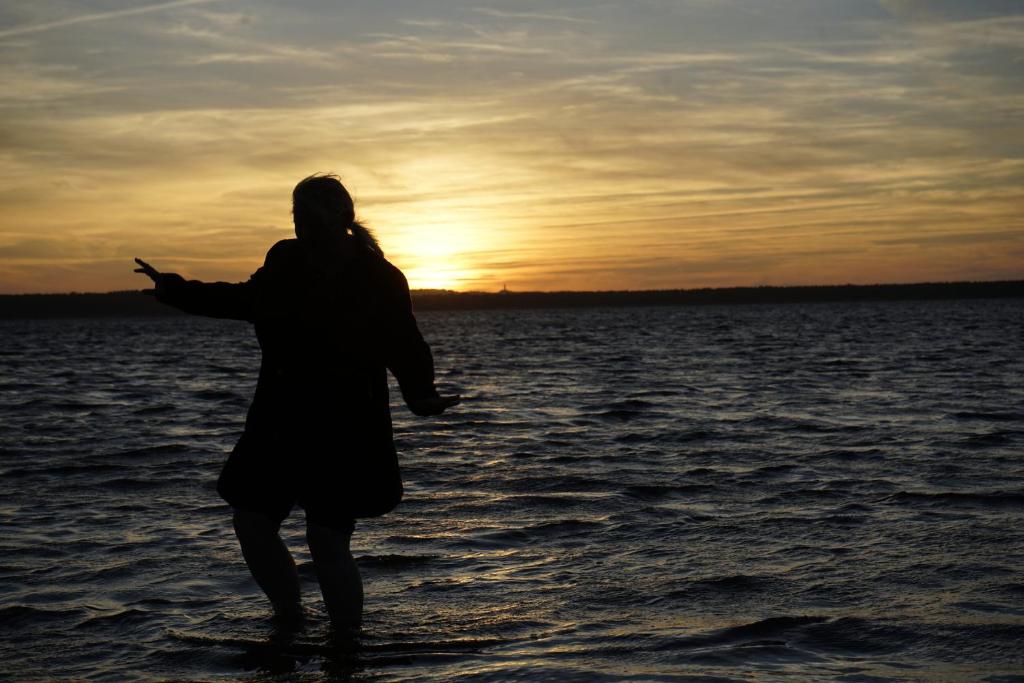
[{"x": 289, "y": 614}]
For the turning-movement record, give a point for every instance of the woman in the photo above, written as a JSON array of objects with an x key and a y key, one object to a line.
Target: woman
[{"x": 331, "y": 316}]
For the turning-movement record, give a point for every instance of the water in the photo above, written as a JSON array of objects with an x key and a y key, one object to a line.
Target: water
[{"x": 831, "y": 492}]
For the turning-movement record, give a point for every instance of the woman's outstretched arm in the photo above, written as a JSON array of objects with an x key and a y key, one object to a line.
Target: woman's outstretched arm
[{"x": 213, "y": 299}]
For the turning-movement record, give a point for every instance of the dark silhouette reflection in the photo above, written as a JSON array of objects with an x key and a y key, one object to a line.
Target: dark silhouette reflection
[
  {"x": 278, "y": 654},
  {"x": 332, "y": 315},
  {"x": 281, "y": 652}
]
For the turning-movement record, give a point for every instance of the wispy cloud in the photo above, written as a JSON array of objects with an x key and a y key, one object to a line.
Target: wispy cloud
[
  {"x": 98, "y": 17},
  {"x": 539, "y": 16}
]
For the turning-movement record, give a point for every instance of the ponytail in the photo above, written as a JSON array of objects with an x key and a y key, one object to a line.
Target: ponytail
[{"x": 365, "y": 239}]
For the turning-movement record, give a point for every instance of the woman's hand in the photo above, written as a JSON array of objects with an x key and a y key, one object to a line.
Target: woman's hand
[
  {"x": 161, "y": 280},
  {"x": 148, "y": 270},
  {"x": 433, "y": 405}
]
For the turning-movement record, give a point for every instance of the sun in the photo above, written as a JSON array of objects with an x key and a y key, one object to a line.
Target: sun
[
  {"x": 444, "y": 277},
  {"x": 438, "y": 255}
]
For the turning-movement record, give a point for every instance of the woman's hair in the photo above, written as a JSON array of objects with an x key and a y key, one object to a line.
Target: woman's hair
[{"x": 324, "y": 211}]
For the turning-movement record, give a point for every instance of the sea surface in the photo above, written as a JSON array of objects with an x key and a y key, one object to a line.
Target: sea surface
[{"x": 798, "y": 492}]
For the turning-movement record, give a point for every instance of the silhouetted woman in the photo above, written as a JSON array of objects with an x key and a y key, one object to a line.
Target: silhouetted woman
[{"x": 331, "y": 316}]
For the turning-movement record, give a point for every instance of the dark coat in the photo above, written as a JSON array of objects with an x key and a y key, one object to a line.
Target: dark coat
[{"x": 329, "y": 331}]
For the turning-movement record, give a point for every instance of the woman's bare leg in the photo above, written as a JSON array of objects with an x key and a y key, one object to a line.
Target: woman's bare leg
[
  {"x": 336, "y": 570},
  {"x": 269, "y": 561}
]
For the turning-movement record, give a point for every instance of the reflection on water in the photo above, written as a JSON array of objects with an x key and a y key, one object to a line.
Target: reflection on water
[{"x": 817, "y": 491}]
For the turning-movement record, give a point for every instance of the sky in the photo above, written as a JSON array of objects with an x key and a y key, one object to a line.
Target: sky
[{"x": 555, "y": 145}]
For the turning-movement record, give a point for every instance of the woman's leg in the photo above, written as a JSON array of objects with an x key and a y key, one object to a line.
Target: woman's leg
[
  {"x": 336, "y": 570},
  {"x": 269, "y": 561}
]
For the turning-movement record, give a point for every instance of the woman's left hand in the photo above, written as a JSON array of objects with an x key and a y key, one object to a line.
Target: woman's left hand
[{"x": 433, "y": 405}]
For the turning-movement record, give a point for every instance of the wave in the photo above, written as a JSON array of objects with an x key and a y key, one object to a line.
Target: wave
[
  {"x": 532, "y": 534},
  {"x": 990, "y": 439},
  {"x": 772, "y": 628},
  {"x": 45, "y": 469},
  {"x": 157, "y": 409},
  {"x": 394, "y": 561},
  {"x": 160, "y": 449},
  {"x": 115, "y": 619},
  {"x": 998, "y": 499},
  {"x": 135, "y": 484},
  {"x": 564, "y": 483},
  {"x": 217, "y": 395},
  {"x": 556, "y": 501},
  {"x": 624, "y": 415},
  {"x": 993, "y": 416},
  {"x": 648, "y": 492},
  {"x": 342, "y": 648},
  {"x": 733, "y": 585},
  {"x": 794, "y": 638},
  {"x": 24, "y": 616}
]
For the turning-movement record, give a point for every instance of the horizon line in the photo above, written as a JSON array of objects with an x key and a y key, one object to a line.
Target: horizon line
[{"x": 505, "y": 292}]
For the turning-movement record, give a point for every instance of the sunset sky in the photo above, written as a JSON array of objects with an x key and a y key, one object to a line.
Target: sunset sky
[{"x": 627, "y": 144}]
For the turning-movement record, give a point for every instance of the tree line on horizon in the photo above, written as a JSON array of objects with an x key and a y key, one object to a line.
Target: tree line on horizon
[{"x": 138, "y": 303}]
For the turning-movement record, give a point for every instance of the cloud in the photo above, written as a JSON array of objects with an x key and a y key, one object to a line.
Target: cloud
[
  {"x": 539, "y": 16},
  {"x": 959, "y": 238},
  {"x": 97, "y": 17},
  {"x": 31, "y": 84},
  {"x": 946, "y": 10},
  {"x": 38, "y": 249}
]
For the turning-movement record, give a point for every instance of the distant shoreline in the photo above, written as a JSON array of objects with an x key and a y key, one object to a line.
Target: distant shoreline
[{"x": 139, "y": 304}]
